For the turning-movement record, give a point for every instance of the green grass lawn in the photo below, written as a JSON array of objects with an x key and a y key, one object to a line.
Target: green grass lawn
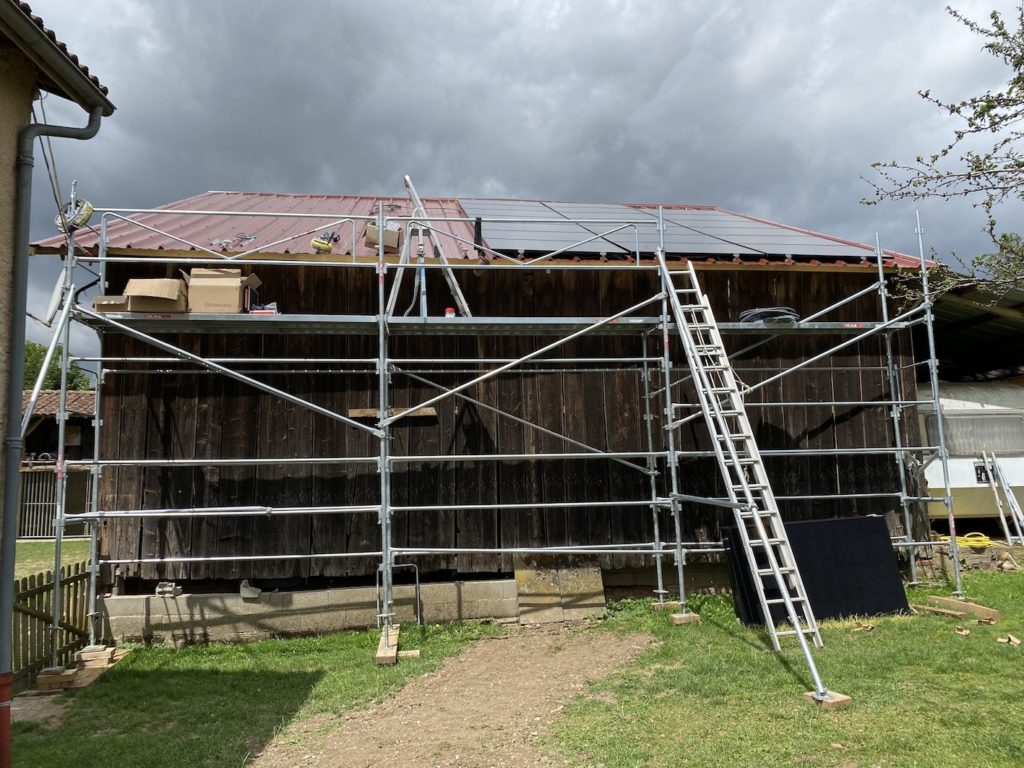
[
  {"x": 214, "y": 705},
  {"x": 709, "y": 695},
  {"x": 37, "y": 556}
]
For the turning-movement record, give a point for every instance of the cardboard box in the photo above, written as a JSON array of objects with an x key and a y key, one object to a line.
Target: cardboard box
[
  {"x": 220, "y": 291},
  {"x": 392, "y": 238},
  {"x": 104, "y": 304},
  {"x": 163, "y": 295}
]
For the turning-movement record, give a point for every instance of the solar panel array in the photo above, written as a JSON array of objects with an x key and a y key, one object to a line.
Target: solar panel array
[{"x": 594, "y": 228}]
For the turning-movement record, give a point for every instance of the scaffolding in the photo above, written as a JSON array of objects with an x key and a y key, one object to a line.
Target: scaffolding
[{"x": 649, "y": 320}]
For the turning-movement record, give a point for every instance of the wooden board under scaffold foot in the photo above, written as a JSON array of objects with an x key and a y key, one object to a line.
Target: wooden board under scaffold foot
[{"x": 387, "y": 648}]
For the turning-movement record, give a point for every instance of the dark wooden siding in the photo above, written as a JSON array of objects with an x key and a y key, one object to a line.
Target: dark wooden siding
[{"x": 203, "y": 415}]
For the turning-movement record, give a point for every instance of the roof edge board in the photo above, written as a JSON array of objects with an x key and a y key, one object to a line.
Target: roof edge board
[{"x": 69, "y": 79}]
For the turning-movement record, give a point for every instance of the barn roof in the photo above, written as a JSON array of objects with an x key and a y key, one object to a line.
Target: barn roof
[
  {"x": 978, "y": 334},
  {"x": 79, "y": 403},
  {"x": 292, "y": 220}
]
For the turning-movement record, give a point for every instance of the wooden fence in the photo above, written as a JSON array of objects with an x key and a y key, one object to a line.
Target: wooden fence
[{"x": 33, "y": 619}]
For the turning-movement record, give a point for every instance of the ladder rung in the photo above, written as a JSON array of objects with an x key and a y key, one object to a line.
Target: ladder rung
[
  {"x": 788, "y": 632},
  {"x": 782, "y": 600},
  {"x": 770, "y": 572},
  {"x": 769, "y": 542}
]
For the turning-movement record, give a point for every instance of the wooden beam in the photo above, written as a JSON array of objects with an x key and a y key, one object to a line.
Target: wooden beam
[
  {"x": 937, "y": 611},
  {"x": 963, "y": 607},
  {"x": 372, "y": 413},
  {"x": 387, "y": 648}
]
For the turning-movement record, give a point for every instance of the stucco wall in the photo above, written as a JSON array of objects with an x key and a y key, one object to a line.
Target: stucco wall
[{"x": 17, "y": 82}]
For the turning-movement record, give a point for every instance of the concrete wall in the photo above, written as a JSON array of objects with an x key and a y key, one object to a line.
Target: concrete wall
[
  {"x": 17, "y": 85},
  {"x": 228, "y": 618}
]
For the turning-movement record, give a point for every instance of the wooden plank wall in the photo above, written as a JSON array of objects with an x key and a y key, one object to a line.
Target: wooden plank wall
[{"x": 203, "y": 415}]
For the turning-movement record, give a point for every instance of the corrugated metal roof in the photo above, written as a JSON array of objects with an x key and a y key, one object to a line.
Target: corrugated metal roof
[
  {"x": 978, "y": 334},
  {"x": 79, "y": 403},
  {"x": 986, "y": 396},
  {"x": 704, "y": 231},
  {"x": 230, "y": 233}
]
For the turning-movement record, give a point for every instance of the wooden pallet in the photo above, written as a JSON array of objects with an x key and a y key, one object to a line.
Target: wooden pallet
[{"x": 91, "y": 663}]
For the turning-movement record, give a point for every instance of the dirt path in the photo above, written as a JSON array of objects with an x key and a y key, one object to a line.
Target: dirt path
[{"x": 486, "y": 707}]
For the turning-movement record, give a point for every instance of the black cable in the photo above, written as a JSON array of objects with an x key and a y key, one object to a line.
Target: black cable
[{"x": 770, "y": 314}]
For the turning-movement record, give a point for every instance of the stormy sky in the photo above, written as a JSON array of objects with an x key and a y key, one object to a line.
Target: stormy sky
[{"x": 773, "y": 109}]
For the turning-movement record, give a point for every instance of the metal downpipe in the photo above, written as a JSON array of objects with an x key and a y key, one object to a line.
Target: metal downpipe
[{"x": 16, "y": 372}]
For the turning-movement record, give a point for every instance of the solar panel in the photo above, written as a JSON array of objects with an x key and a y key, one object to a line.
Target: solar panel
[
  {"x": 687, "y": 231},
  {"x": 533, "y": 235}
]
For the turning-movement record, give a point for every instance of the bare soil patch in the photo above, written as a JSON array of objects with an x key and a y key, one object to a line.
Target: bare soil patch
[
  {"x": 38, "y": 708},
  {"x": 487, "y": 707}
]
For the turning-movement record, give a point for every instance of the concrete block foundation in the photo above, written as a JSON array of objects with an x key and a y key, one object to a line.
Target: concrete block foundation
[{"x": 227, "y": 617}]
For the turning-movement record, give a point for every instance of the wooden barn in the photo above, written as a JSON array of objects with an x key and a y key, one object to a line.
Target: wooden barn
[{"x": 227, "y": 481}]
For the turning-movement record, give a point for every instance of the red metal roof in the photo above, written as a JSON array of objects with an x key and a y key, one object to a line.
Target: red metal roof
[
  {"x": 224, "y": 231},
  {"x": 230, "y": 233}
]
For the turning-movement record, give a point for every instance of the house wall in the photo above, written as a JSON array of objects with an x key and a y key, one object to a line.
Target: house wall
[
  {"x": 17, "y": 82},
  {"x": 205, "y": 416}
]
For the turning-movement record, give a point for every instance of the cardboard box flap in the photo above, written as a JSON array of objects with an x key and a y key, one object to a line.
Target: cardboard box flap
[
  {"x": 110, "y": 303},
  {"x": 219, "y": 277},
  {"x": 158, "y": 288}
]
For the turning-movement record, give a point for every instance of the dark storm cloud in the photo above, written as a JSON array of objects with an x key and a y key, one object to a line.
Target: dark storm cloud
[{"x": 774, "y": 109}]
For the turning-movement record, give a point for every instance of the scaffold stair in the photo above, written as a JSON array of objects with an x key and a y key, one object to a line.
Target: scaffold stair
[{"x": 761, "y": 531}]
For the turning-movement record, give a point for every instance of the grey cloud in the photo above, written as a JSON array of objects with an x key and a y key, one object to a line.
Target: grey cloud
[{"x": 774, "y": 109}]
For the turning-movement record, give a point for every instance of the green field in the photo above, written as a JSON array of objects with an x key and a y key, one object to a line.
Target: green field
[{"x": 37, "y": 556}]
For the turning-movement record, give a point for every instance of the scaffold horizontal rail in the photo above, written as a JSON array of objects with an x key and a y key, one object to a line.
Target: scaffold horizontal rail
[
  {"x": 238, "y": 558},
  {"x": 253, "y": 511}
]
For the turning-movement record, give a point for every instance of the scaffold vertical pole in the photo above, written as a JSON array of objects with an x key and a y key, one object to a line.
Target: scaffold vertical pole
[
  {"x": 670, "y": 440},
  {"x": 96, "y": 471},
  {"x": 61, "y": 466},
  {"x": 933, "y": 379},
  {"x": 652, "y": 477},
  {"x": 895, "y": 412},
  {"x": 384, "y": 465}
]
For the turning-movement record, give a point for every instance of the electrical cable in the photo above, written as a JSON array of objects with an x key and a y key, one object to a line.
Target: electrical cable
[
  {"x": 973, "y": 540},
  {"x": 769, "y": 314},
  {"x": 51, "y": 168}
]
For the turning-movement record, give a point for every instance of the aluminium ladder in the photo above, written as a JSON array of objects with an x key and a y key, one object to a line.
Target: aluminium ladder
[
  {"x": 761, "y": 531},
  {"x": 997, "y": 482}
]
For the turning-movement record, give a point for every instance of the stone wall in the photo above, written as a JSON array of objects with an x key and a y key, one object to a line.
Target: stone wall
[{"x": 197, "y": 618}]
